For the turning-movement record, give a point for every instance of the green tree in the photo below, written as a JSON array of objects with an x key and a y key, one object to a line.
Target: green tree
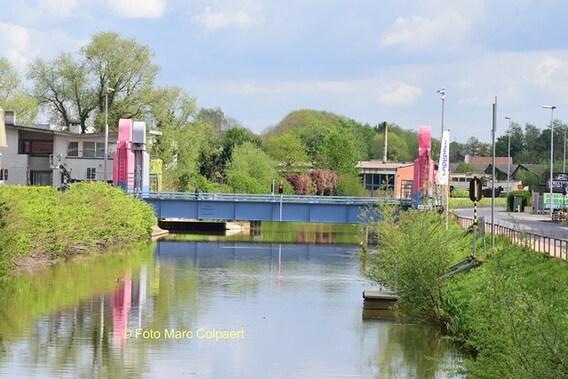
[
  {"x": 475, "y": 147},
  {"x": 63, "y": 87},
  {"x": 337, "y": 153},
  {"x": 288, "y": 150},
  {"x": 251, "y": 170},
  {"x": 530, "y": 148},
  {"x": 213, "y": 157},
  {"x": 516, "y": 139},
  {"x": 171, "y": 110},
  {"x": 234, "y": 137},
  {"x": 126, "y": 67},
  {"x": 12, "y": 95},
  {"x": 74, "y": 89},
  {"x": 465, "y": 168},
  {"x": 217, "y": 119},
  {"x": 184, "y": 173},
  {"x": 349, "y": 185},
  {"x": 457, "y": 151},
  {"x": 397, "y": 148},
  {"x": 361, "y": 135}
]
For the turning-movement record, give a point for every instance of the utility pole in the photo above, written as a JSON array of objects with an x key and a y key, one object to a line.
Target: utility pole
[{"x": 493, "y": 131}]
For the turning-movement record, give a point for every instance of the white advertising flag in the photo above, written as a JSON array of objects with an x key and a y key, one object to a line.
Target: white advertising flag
[{"x": 444, "y": 166}]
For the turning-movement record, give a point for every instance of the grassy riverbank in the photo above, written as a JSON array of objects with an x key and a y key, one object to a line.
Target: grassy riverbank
[
  {"x": 40, "y": 225},
  {"x": 510, "y": 314}
]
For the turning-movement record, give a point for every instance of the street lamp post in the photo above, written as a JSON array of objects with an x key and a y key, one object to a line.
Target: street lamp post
[
  {"x": 564, "y": 160},
  {"x": 442, "y": 93},
  {"x": 107, "y": 90},
  {"x": 508, "y": 154},
  {"x": 552, "y": 108}
]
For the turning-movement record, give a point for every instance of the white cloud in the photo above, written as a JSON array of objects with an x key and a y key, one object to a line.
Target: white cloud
[
  {"x": 397, "y": 93},
  {"x": 239, "y": 18},
  {"x": 138, "y": 8},
  {"x": 545, "y": 68},
  {"x": 435, "y": 24},
  {"x": 418, "y": 32},
  {"x": 57, "y": 8},
  {"x": 14, "y": 40}
]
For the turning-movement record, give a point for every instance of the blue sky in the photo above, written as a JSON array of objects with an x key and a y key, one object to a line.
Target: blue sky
[{"x": 369, "y": 60}]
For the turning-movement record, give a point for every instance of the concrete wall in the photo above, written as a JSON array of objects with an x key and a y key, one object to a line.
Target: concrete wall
[
  {"x": 17, "y": 165},
  {"x": 77, "y": 166}
]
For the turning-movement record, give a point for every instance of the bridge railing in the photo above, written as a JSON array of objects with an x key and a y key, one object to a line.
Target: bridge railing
[
  {"x": 273, "y": 198},
  {"x": 555, "y": 247}
]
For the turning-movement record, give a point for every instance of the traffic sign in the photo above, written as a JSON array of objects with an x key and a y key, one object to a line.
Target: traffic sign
[{"x": 475, "y": 189}]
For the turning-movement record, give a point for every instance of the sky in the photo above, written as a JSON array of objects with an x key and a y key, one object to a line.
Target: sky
[{"x": 369, "y": 60}]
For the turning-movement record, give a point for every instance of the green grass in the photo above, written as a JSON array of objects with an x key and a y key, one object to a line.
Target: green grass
[
  {"x": 53, "y": 224},
  {"x": 484, "y": 202},
  {"x": 510, "y": 313}
]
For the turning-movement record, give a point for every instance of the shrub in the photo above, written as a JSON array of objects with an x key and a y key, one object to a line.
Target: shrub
[
  {"x": 86, "y": 216},
  {"x": 325, "y": 181},
  {"x": 349, "y": 185},
  {"x": 412, "y": 258},
  {"x": 511, "y": 196},
  {"x": 301, "y": 183},
  {"x": 459, "y": 194}
]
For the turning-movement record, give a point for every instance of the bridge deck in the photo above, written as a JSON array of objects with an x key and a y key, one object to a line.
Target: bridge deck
[{"x": 252, "y": 207}]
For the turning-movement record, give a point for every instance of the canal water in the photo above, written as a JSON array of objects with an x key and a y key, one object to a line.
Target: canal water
[{"x": 280, "y": 302}]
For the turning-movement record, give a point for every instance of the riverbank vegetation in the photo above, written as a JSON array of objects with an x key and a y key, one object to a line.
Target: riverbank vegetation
[
  {"x": 510, "y": 314},
  {"x": 40, "y": 225}
]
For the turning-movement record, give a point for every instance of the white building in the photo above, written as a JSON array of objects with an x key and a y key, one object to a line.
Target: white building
[{"x": 39, "y": 155}]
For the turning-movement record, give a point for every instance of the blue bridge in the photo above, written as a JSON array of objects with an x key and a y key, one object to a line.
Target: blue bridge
[{"x": 245, "y": 207}]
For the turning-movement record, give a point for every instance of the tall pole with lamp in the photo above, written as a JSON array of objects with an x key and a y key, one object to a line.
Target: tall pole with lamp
[
  {"x": 107, "y": 90},
  {"x": 552, "y": 108},
  {"x": 564, "y": 160},
  {"x": 442, "y": 93},
  {"x": 508, "y": 154}
]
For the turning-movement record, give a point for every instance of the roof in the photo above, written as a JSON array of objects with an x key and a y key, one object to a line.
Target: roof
[
  {"x": 489, "y": 160},
  {"x": 47, "y": 130},
  {"x": 378, "y": 164}
]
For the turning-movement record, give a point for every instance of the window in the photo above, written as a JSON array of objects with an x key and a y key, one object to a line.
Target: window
[
  {"x": 99, "y": 150},
  {"x": 37, "y": 148},
  {"x": 111, "y": 149},
  {"x": 41, "y": 178},
  {"x": 406, "y": 190},
  {"x": 88, "y": 149},
  {"x": 73, "y": 149},
  {"x": 3, "y": 174},
  {"x": 91, "y": 173}
]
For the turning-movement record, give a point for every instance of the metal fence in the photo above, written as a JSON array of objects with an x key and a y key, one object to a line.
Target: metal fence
[
  {"x": 554, "y": 247},
  {"x": 275, "y": 198}
]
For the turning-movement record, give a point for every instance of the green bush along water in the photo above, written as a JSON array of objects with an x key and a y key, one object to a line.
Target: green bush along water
[
  {"x": 42, "y": 221},
  {"x": 415, "y": 249},
  {"x": 510, "y": 313}
]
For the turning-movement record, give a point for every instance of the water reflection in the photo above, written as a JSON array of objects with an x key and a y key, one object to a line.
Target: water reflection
[{"x": 299, "y": 308}]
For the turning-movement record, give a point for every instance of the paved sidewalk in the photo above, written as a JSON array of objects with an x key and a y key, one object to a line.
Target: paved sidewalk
[{"x": 531, "y": 222}]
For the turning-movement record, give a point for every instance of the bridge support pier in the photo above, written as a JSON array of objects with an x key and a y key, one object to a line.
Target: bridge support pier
[{"x": 190, "y": 225}]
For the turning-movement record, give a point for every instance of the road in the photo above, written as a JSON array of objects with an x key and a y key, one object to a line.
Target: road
[{"x": 533, "y": 223}]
